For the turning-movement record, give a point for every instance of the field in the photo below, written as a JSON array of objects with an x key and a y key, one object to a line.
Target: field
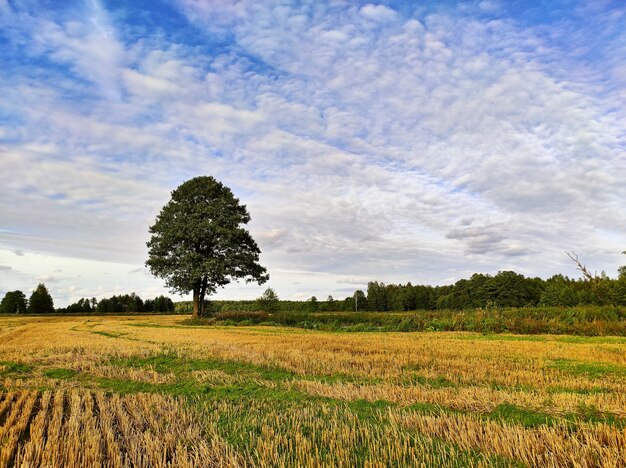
[{"x": 151, "y": 391}]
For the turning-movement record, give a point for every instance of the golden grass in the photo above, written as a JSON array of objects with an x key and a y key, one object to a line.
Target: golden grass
[
  {"x": 546, "y": 446},
  {"x": 85, "y": 429},
  {"x": 66, "y": 421},
  {"x": 470, "y": 398},
  {"x": 322, "y": 435}
]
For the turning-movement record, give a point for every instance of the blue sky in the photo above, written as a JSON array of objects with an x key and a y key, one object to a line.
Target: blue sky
[{"x": 390, "y": 141}]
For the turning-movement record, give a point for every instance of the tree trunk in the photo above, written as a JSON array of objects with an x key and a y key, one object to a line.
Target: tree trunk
[
  {"x": 196, "y": 304},
  {"x": 203, "y": 284}
]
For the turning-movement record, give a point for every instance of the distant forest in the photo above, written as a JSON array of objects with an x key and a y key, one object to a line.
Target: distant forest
[
  {"x": 505, "y": 289},
  {"x": 40, "y": 302}
]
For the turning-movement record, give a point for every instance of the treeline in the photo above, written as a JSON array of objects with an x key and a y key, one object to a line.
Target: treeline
[
  {"x": 506, "y": 289},
  {"x": 40, "y": 302},
  {"x": 15, "y": 302},
  {"x": 124, "y": 303}
]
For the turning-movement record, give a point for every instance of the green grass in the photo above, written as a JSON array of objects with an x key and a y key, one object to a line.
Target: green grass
[
  {"x": 63, "y": 374},
  {"x": 513, "y": 414},
  {"x": 113, "y": 335},
  {"x": 15, "y": 368},
  {"x": 181, "y": 366},
  {"x": 171, "y": 362},
  {"x": 253, "y": 391},
  {"x": 589, "y": 369},
  {"x": 502, "y": 337},
  {"x": 240, "y": 428},
  {"x": 591, "y": 339},
  {"x": 249, "y": 389}
]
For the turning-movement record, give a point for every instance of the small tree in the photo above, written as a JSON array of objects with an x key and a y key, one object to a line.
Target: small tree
[
  {"x": 199, "y": 243},
  {"x": 14, "y": 302},
  {"x": 268, "y": 302},
  {"x": 40, "y": 301},
  {"x": 359, "y": 301}
]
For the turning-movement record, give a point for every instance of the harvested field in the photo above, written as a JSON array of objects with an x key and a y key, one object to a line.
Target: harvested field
[{"x": 149, "y": 391}]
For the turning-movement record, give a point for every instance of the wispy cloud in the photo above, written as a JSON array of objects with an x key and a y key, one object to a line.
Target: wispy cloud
[{"x": 366, "y": 139}]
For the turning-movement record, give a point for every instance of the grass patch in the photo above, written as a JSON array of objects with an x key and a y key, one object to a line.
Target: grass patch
[
  {"x": 502, "y": 337},
  {"x": 510, "y": 413},
  {"x": 109, "y": 334},
  {"x": 125, "y": 386},
  {"x": 279, "y": 395},
  {"x": 15, "y": 368},
  {"x": 151, "y": 325},
  {"x": 591, "y": 339},
  {"x": 170, "y": 362},
  {"x": 579, "y": 391},
  {"x": 593, "y": 370},
  {"x": 180, "y": 366},
  {"x": 63, "y": 374},
  {"x": 309, "y": 421}
]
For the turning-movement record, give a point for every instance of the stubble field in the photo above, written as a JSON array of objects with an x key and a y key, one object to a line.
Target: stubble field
[{"x": 149, "y": 391}]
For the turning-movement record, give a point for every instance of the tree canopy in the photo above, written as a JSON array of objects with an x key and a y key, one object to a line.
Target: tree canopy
[
  {"x": 268, "y": 302},
  {"x": 199, "y": 244},
  {"x": 14, "y": 302},
  {"x": 40, "y": 301}
]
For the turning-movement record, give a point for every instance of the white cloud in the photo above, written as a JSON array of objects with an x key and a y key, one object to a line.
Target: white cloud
[
  {"x": 366, "y": 142},
  {"x": 379, "y": 13}
]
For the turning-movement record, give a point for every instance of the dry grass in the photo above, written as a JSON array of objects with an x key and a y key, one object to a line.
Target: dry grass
[
  {"x": 469, "y": 398},
  {"x": 85, "y": 429},
  {"x": 554, "y": 446},
  {"x": 322, "y": 435}
]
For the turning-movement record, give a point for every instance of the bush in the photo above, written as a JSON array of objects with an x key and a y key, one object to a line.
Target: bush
[{"x": 580, "y": 320}]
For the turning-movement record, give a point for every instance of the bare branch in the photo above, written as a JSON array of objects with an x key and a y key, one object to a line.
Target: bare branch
[
  {"x": 580, "y": 266},
  {"x": 594, "y": 280}
]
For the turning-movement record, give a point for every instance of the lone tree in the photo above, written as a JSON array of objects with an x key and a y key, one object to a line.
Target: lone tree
[{"x": 199, "y": 243}]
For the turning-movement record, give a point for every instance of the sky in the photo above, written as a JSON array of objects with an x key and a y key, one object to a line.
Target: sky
[{"x": 394, "y": 141}]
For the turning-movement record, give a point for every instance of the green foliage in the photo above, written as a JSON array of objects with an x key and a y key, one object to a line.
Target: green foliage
[
  {"x": 132, "y": 303},
  {"x": 590, "y": 321},
  {"x": 377, "y": 297},
  {"x": 40, "y": 301},
  {"x": 198, "y": 243},
  {"x": 82, "y": 306},
  {"x": 268, "y": 302},
  {"x": 13, "y": 302}
]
